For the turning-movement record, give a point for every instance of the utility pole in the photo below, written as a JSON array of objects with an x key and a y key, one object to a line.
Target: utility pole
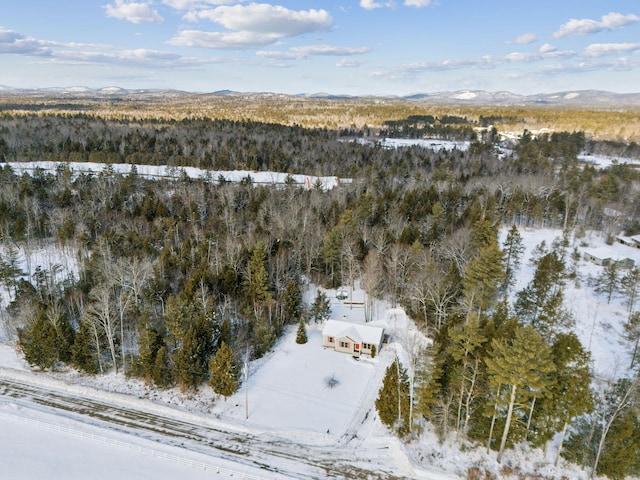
[{"x": 245, "y": 371}]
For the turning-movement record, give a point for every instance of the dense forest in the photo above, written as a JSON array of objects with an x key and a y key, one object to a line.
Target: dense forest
[{"x": 180, "y": 279}]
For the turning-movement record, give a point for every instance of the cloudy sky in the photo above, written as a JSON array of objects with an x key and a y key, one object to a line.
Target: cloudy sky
[{"x": 336, "y": 46}]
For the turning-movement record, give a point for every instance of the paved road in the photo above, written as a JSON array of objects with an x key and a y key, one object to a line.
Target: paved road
[{"x": 274, "y": 455}]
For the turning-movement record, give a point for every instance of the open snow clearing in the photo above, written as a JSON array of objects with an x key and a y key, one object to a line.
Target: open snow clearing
[{"x": 267, "y": 454}]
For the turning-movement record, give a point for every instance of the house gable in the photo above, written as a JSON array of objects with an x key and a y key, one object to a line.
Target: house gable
[{"x": 352, "y": 338}]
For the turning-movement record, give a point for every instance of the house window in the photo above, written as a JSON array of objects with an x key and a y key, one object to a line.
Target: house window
[
  {"x": 366, "y": 346},
  {"x": 330, "y": 339},
  {"x": 344, "y": 344}
]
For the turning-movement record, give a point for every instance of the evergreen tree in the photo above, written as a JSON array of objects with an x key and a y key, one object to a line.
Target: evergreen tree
[
  {"x": 619, "y": 411},
  {"x": 621, "y": 457},
  {"x": 569, "y": 395},
  {"x": 608, "y": 281},
  {"x": 162, "y": 373},
  {"x": 292, "y": 301},
  {"x": 427, "y": 382},
  {"x": 38, "y": 342},
  {"x": 256, "y": 283},
  {"x": 321, "y": 307},
  {"x": 485, "y": 271},
  {"x": 520, "y": 365},
  {"x": 192, "y": 357},
  {"x": 513, "y": 248},
  {"x": 149, "y": 343},
  {"x": 10, "y": 271},
  {"x": 83, "y": 352},
  {"x": 632, "y": 334},
  {"x": 65, "y": 335},
  {"x": 629, "y": 287},
  {"x": 392, "y": 403},
  {"x": 301, "y": 335},
  {"x": 466, "y": 340},
  {"x": 540, "y": 303},
  {"x": 224, "y": 372}
]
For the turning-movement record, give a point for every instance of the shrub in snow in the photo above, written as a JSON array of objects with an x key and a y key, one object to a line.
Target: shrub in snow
[
  {"x": 331, "y": 381},
  {"x": 301, "y": 336}
]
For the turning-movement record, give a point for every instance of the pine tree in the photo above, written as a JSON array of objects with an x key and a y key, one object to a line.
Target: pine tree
[
  {"x": 569, "y": 395},
  {"x": 162, "y": 374},
  {"x": 321, "y": 307},
  {"x": 149, "y": 343},
  {"x": 392, "y": 403},
  {"x": 513, "y": 248},
  {"x": 485, "y": 271},
  {"x": 466, "y": 341},
  {"x": 519, "y": 364},
  {"x": 608, "y": 282},
  {"x": 65, "y": 336},
  {"x": 38, "y": 342},
  {"x": 301, "y": 335},
  {"x": 632, "y": 334},
  {"x": 83, "y": 353},
  {"x": 192, "y": 357},
  {"x": 540, "y": 304},
  {"x": 292, "y": 301},
  {"x": 256, "y": 283},
  {"x": 427, "y": 382},
  {"x": 629, "y": 287},
  {"x": 224, "y": 373}
]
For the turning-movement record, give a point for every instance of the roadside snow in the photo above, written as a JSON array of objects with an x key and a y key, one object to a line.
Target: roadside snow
[{"x": 39, "y": 448}]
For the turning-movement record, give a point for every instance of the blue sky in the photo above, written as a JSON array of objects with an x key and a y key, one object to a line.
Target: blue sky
[{"x": 353, "y": 47}]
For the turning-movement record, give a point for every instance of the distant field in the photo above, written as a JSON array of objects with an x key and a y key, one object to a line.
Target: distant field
[{"x": 361, "y": 113}]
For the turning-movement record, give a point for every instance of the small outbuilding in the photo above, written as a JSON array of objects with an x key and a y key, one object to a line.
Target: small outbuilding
[
  {"x": 597, "y": 258},
  {"x": 352, "y": 338}
]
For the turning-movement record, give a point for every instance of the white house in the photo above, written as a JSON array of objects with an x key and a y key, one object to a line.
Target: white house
[{"x": 352, "y": 338}]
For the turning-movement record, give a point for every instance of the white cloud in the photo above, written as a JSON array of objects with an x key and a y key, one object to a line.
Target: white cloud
[
  {"x": 585, "y": 26},
  {"x": 141, "y": 58},
  {"x": 524, "y": 39},
  {"x": 411, "y": 70},
  {"x": 349, "y": 63},
  {"x": 222, "y": 40},
  {"x": 372, "y": 4},
  {"x": 133, "y": 12},
  {"x": 253, "y": 25},
  {"x": 417, "y": 3},
  {"x": 601, "y": 49},
  {"x": 266, "y": 19},
  {"x": 195, "y": 4},
  {"x": 315, "y": 50},
  {"x": 548, "y": 48},
  {"x": 13, "y": 42}
]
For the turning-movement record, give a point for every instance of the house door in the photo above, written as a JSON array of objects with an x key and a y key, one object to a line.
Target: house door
[{"x": 356, "y": 348}]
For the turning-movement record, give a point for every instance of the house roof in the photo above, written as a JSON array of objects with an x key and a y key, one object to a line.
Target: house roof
[{"x": 355, "y": 331}]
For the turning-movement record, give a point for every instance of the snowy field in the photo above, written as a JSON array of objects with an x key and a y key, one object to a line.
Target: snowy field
[
  {"x": 604, "y": 161},
  {"x": 163, "y": 171},
  {"x": 434, "y": 144},
  {"x": 288, "y": 389}
]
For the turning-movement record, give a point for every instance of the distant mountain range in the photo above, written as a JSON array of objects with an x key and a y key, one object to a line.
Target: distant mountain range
[{"x": 596, "y": 98}]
